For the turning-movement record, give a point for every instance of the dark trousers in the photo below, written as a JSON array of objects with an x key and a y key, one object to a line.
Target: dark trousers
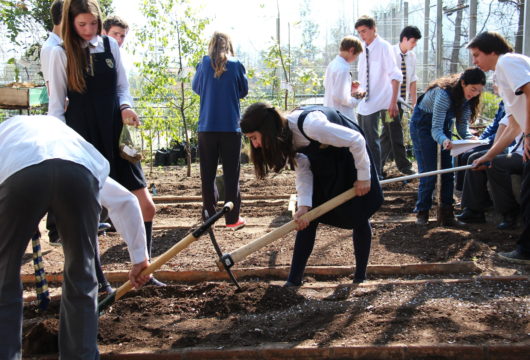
[
  {"x": 524, "y": 240},
  {"x": 462, "y": 160},
  {"x": 370, "y": 126},
  {"x": 71, "y": 192},
  {"x": 392, "y": 143},
  {"x": 227, "y": 147},
  {"x": 305, "y": 241},
  {"x": 476, "y": 196}
]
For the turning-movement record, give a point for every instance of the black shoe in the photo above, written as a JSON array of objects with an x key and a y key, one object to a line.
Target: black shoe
[
  {"x": 516, "y": 256},
  {"x": 509, "y": 221},
  {"x": 291, "y": 284},
  {"x": 469, "y": 216},
  {"x": 154, "y": 282},
  {"x": 103, "y": 227},
  {"x": 422, "y": 217},
  {"x": 407, "y": 172},
  {"x": 105, "y": 289}
]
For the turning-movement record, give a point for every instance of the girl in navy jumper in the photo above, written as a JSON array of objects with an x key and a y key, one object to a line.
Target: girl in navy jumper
[
  {"x": 297, "y": 141},
  {"x": 456, "y": 96},
  {"x": 220, "y": 81},
  {"x": 87, "y": 69}
]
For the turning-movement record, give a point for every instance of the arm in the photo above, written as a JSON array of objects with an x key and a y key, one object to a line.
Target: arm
[
  {"x": 526, "y": 93},
  {"x": 440, "y": 109},
  {"x": 396, "y": 77},
  {"x": 57, "y": 82},
  {"x": 197, "y": 80},
  {"x": 413, "y": 92},
  {"x": 501, "y": 142},
  {"x": 304, "y": 189},
  {"x": 413, "y": 89},
  {"x": 243, "y": 82},
  {"x": 340, "y": 89},
  {"x": 393, "y": 109},
  {"x": 462, "y": 125}
]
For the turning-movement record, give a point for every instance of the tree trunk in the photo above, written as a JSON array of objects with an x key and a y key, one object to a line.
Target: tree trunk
[{"x": 455, "y": 54}]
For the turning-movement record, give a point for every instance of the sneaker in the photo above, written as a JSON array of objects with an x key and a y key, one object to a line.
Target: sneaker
[
  {"x": 422, "y": 217},
  {"x": 515, "y": 256},
  {"x": 238, "y": 225}
]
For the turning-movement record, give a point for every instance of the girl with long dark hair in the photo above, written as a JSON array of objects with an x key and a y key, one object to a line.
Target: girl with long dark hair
[{"x": 446, "y": 99}]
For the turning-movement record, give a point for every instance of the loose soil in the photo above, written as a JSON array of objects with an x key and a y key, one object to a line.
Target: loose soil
[{"x": 326, "y": 312}]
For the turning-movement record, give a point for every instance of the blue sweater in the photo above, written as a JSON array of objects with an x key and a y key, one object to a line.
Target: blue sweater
[
  {"x": 490, "y": 132},
  {"x": 219, "y": 109}
]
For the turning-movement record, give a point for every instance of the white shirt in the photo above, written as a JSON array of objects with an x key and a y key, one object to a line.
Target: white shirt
[
  {"x": 516, "y": 148},
  {"x": 58, "y": 80},
  {"x": 511, "y": 73},
  {"x": 319, "y": 128},
  {"x": 383, "y": 70},
  {"x": 410, "y": 64},
  {"x": 337, "y": 85},
  {"x": 45, "y": 53},
  {"x": 30, "y": 140}
]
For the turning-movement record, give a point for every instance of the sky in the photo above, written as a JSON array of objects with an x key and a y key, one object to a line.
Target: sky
[{"x": 252, "y": 23}]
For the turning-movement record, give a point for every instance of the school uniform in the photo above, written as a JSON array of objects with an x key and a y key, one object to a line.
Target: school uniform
[
  {"x": 95, "y": 114},
  {"x": 392, "y": 142},
  {"x": 430, "y": 125},
  {"x": 219, "y": 133},
  {"x": 317, "y": 129},
  {"x": 48, "y": 166},
  {"x": 52, "y": 41},
  {"x": 377, "y": 68},
  {"x": 511, "y": 73},
  {"x": 337, "y": 86}
]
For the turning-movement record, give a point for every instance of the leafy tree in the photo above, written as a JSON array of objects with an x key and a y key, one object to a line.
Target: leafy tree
[{"x": 173, "y": 44}]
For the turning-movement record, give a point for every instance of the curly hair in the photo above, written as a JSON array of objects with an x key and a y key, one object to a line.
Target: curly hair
[{"x": 453, "y": 83}]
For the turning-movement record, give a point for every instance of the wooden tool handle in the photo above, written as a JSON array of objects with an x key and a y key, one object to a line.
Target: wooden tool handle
[
  {"x": 158, "y": 262},
  {"x": 265, "y": 240}
]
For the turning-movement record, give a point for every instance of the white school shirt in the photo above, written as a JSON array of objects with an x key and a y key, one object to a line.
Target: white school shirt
[
  {"x": 516, "y": 148},
  {"x": 410, "y": 64},
  {"x": 383, "y": 70},
  {"x": 319, "y": 128},
  {"x": 337, "y": 85},
  {"x": 29, "y": 140},
  {"x": 58, "y": 81},
  {"x": 45, "y": 53},
  {"x": 511, "y": 73}
]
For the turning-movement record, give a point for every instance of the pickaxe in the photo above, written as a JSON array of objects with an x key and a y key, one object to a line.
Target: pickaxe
[
  {"x": 165, "y": 257},
  {"x": 228, "y": 260}
]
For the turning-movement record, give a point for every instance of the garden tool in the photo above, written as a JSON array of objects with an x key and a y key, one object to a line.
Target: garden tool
[
  {"x": 228, "y": 260},
  {"x": 165, "y": 257},
  {"x": 220, "y": 254},
  {"x": 41, "y": 285}
]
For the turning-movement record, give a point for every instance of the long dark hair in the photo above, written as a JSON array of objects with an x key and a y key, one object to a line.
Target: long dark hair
[
  {"x": 277, "y": 150},
  {"x": 453, "y": 83}
]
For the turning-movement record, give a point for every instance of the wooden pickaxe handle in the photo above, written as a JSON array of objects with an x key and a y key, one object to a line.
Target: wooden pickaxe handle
[
  {"x": 329, "y": 205},
  {"x": 165, "y": 257}
]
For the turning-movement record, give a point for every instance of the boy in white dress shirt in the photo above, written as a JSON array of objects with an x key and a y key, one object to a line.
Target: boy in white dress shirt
[{"x": 379, "y": 77}]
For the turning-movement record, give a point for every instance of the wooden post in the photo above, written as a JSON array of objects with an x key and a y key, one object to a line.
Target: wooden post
[{"x": 439, "y": 186}]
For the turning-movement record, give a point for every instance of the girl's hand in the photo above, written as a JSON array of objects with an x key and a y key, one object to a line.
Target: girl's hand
[
  {"x": 447, "y": 144},
  {"x": 361, "y": 187},
  {"x": 301, "y": 223},
  {"x": 129, "y": 117}
]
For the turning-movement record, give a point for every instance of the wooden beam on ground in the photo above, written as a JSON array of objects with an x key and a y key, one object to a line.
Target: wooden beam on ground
[{"x": 281, "y": 272}]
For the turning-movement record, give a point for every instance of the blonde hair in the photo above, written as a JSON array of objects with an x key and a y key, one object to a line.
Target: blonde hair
[
  {"x": 219, "y": 49},
  {"x": 76, "y": 54}
]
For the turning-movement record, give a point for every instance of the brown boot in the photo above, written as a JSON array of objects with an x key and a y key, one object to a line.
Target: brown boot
[
  {"x": 448, "y": 216},
  {"x": 422, "y": 217}
]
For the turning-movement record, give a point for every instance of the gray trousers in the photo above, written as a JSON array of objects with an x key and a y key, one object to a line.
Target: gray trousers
[
  {"x": 392, "y": 142},
  {"x": 370, "y": 126},
  {"x": 71, "y": 192},
  {"x": 475, "y": 193}
]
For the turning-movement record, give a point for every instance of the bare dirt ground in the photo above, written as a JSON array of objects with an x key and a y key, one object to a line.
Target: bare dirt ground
[{"x": 458, "y": 308}]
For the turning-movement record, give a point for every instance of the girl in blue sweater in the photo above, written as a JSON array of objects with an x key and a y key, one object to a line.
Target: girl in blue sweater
[
  {"x": 220, "y": 81},
  {"x": 446, "y": 99}
]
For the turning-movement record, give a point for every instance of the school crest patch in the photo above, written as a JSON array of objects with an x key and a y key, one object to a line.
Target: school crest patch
[{"x": 110, "y": 63}]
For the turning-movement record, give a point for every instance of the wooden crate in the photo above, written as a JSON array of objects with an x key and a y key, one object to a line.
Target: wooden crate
[{"x": 23, "y": 98}]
